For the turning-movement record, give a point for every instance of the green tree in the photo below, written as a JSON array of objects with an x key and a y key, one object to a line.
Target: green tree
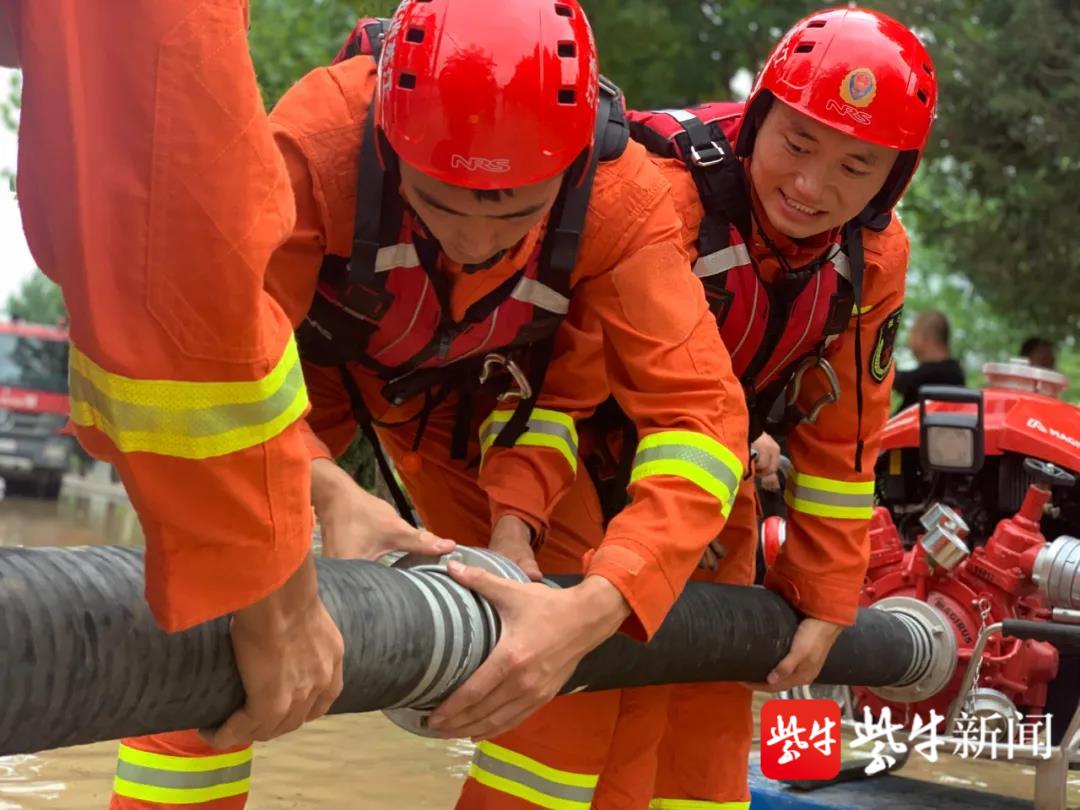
[
  {"x": 288, "y": 38},
  {"x": 997, "y": 195},
  {"x": 38, "y": 300}
]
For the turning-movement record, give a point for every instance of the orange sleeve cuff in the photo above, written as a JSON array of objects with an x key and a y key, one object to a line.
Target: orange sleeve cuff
[
  {"x": 498, "y": 511},
  {"x": 835, "y": 599},
  {"x": 316, "y": 447},
  {"x": 526, "y": 482},
  {"x": 637, "y": 575}
]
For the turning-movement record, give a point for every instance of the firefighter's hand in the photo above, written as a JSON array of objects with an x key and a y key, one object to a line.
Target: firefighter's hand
[
  {"x": 512, "y": 537},
  {"x": 356, "y": 525},
  {"x": 809, "y": 649},
  {"x": 545, "y": 633},
  {"x": 768, "y": 456},
  {"x": 288, "y": 651}
]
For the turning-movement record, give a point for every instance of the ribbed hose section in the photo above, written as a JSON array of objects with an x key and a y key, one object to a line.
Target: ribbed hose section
[
  {"x": 735, "y": 633},
  {"x": 82, "y": 660}
]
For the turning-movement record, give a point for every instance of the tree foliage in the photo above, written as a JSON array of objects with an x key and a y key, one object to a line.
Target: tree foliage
[
  {"x": 38, "y": 300},
  {"x": 290, "y": 37}
]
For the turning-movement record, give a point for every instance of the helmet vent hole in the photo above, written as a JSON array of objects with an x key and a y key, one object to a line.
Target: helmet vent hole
[
  {"x": 805, "y": 47},
  {"x": 563, "y": 11},
  {"x": 567, "y": 95},
  {"x": 922, "y": 96},
  {"x": 817, "y": 24},
  {"x": 929, "y": 70},
  {"x": 407, "y": 81},
  {"x": 415, "y": 35},
  {"x": 567, "y": 50}
]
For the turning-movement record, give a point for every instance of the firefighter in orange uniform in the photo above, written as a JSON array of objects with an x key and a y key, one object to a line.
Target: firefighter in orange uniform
[
  {"x": 788, "y": 204},
  {"x": 184, "y": 373},
  {"x": 454, "y": 206}
]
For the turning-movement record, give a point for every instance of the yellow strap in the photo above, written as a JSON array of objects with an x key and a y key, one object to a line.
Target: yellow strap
[
  {"x": 193, "y": 420},
  {"x": 185, "y": 764},
  {"x": 149, "y": 793}
]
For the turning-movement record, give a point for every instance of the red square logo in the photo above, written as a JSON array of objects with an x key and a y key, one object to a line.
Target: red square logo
[{"x": 800, "y": 739}]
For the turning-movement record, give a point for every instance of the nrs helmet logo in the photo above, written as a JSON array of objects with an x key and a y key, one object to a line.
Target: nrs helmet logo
[
  {"x": 858, "y": 116},
  {"x": 859, "y": 87},
  {"x": 479, "y": 164}
]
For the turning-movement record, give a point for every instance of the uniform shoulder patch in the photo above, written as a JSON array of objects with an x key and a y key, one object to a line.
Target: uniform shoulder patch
[{"x": 882, "y": 356}]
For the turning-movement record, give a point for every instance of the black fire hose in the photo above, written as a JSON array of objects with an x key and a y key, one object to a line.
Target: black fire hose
[{"x": 82, "y": 660}]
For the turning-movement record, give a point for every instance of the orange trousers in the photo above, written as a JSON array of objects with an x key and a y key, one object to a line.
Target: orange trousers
[{"x": 612, "y": 750}]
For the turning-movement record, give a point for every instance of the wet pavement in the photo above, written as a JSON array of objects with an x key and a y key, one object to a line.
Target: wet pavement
[{"x": 356, "y": 761}]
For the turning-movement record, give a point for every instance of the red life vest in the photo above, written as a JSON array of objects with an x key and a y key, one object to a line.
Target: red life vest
[{"x": 768, "y": 327}]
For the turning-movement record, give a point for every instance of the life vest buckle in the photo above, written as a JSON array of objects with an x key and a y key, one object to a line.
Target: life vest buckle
[
  {"x": 795, "y": 386},
  {"x": 709, "y": 155},
  {"x": 521, "y": 390}
]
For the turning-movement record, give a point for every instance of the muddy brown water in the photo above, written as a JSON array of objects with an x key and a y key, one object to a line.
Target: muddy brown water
[{"x": 356, "y": 761}]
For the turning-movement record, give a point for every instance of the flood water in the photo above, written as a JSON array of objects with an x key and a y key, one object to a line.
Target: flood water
[{"x": 357, "y": 761}]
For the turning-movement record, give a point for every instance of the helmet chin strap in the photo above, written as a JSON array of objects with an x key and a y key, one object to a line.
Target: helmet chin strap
[{"x": 484, "y": 265}]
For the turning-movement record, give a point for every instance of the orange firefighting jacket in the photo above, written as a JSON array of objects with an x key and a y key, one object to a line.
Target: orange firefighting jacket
[{"x": 822, "y": 563}]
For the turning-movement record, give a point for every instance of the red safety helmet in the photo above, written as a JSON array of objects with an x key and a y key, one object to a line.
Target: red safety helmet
[
  {"x": 488, "y": 95},
  {"x": 859, "y": 72}
]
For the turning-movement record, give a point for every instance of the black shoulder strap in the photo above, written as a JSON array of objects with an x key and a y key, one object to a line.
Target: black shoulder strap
[
  {"x": 559, "y": 253},
  {"x": 363, "y": 419},
  {"x": 609, "y": 142}
]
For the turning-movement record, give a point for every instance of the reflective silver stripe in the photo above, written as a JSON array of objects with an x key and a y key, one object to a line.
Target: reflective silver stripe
[
  {"x": 534, "y": 426},
  {"x": 829, "y": 497},
  {"x": 399, "y": 255},
  {"x": 699, "y": 458},
  {"x": 193, "y": 420},
  {"x": 533, "y": 292},
  {"x": 521, "y": 776},
  {"x": 840, "y": 262},
  {"x": 182, "y": 780},
  {"x": 805, "y": 493},
  {"x": 713, "y": 264},
  {"x": 189, "y": 423},
  {"x": 682, "y": 116}
]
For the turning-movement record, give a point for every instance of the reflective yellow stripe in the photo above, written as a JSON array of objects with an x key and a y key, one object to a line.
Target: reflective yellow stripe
[
  {"x": 166, "y": 762},
  {"x": 181, "y": 780},
  {"x": 545, "y": 428},
  {"x": 830, "y": 498},
  {"x": 694, "y": 804},
  {"x": 694, "y": 456},
  {"x": 192, "y": 420},
  {"x": 517, "y": 775},
  {"x": 150, "y": 793},
  {"x": 585, "y": 780}
]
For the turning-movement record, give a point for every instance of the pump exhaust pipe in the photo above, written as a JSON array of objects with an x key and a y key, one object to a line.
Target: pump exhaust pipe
[{"x": 82, "y": 660}]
